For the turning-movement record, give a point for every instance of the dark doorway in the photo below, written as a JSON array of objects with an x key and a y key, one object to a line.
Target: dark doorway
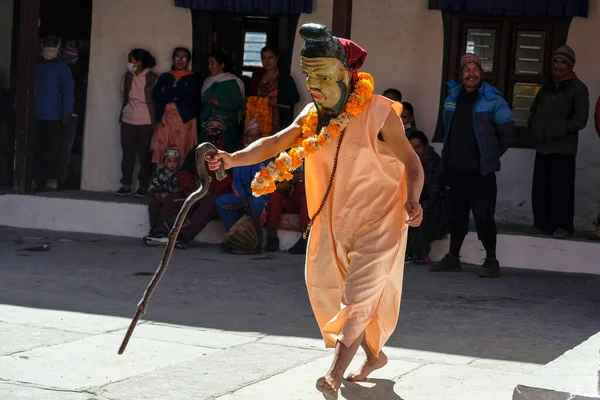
[
  {"x": 242, "y": 36},
  {"x": 71, "y": 20}
]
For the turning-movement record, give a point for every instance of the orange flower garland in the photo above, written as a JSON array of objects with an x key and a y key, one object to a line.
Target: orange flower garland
[
  {"x": 258, "y": 108},
  {"x": 281, "y": 169}
]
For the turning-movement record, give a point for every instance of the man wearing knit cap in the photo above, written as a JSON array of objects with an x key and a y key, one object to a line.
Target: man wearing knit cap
[
  {"x": 478, "y": 125},
  {"x": 559, "y": 111}
]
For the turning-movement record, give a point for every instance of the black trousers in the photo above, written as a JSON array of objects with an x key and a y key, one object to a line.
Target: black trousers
[
  {"x": 48, "y": 146},
  {"x": 135, "y": 140},
  {"x": 553, "y": 192},
  {"x": 466, "y": 192}
]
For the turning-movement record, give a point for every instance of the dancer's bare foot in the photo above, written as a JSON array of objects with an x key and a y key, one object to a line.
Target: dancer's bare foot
[
  {"x": 329, "y": 386},
  {"x": 371, "y": 364}
]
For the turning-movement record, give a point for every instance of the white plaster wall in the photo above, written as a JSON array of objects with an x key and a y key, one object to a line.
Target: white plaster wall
[
  {"x": 117, "y": 27},
  {"x": 322, "y": 14},
  {"x": 514, "y": 181},
  {"x": 6, "y": 26},
  {"x": 405, "y": 44}
]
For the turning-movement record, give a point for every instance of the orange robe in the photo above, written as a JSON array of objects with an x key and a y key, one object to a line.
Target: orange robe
[{"x": 355, "y": 257}]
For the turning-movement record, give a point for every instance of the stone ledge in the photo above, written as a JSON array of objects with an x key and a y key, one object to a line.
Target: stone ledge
[
  {"x": 572, "y": 376},
  {"x": 86, "y": 215},
  {"x": 95, "y": 213}
]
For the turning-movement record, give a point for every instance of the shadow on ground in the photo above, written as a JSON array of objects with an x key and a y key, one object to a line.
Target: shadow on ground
[{"x": 525, "y": 316}]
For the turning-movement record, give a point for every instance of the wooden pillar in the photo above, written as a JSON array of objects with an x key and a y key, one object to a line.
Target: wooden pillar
[
  {"x": 28, "y": 53},
  {"x": 341, "y": 24}
]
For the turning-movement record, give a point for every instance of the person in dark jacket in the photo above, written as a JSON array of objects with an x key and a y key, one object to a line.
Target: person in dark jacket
[
  {"x": 432, "y": 227},
  {"x": 54, "y": 102},
  {"x": 176, "y": 94},
  {"x": 560, "y": 110},
  {"x": 478, "y": 124},
  {"x": 138, "y": 118},
  {"x": 278, "y": 86}
]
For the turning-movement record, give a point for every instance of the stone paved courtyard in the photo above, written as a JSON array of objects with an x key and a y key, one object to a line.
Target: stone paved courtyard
[{"x": 241, "y": 328}]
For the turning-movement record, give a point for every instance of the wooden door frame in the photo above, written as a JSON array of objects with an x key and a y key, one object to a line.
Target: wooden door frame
[{"x": 24, "y": 89}]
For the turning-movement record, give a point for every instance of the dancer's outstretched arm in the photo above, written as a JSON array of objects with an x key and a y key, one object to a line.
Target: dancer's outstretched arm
[{"x": 262, "y": 149}]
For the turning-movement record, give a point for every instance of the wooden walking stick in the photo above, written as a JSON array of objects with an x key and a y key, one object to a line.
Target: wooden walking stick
[{"x": 201, "y": 152}]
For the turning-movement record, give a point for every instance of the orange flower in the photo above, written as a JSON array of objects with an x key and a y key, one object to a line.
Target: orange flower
[
  {"x": 322, "y": 140},
  {"x": 334, "y": 130},
  {"x": 364, "y": 89},
  {"x": 367, "y": 77},
  {"x": 353, "y": 109},
  {"x": 265, "y": 174},
  {"x": 307, "y": 131},
  {"x": 286, "y": 176},
  {"x": 312, "y": 119},
  {"x": 258, "y": 108},
  {"x": 280, "y": 165}
]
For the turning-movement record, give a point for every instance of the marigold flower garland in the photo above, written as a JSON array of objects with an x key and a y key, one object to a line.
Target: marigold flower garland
[
  {"x": 281, "y": 169},
  {"x": 259, "y": 109}
]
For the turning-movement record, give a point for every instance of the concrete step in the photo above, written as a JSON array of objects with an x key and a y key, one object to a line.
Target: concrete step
[
  {"x": 573, "y": 376},
  {"x": 103, "y": 213}
]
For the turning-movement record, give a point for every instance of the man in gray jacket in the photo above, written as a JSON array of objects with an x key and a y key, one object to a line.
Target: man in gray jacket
[{"x": 559, "y": 111}]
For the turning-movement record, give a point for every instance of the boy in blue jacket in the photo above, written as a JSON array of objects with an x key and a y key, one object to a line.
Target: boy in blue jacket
[{"x": 242, "y": 193}]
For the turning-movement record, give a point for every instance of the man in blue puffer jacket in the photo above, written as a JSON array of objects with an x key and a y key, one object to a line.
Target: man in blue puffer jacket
[{"x": 478, "y": 126}]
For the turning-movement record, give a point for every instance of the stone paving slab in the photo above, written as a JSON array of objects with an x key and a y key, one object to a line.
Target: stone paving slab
[
  {"x": 16, "y": 338},
  {"x": 575, "y": 373},
  {"x": 21, "y": 392},
  {"x": 93, "y": 361},
  {"x": 61, "y": 319},
  {"x": 456, "y": 382},
  {"x": 187, "y": 336},
  {"x": 299, "y": 383},
  {"x": 525, "y": 356},
  {"x": 213, "y": 375},
  {"x": 471, "y": 335}
]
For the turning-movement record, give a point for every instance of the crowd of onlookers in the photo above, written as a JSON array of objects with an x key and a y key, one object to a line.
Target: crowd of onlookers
[{"x": 163, "y": 117}]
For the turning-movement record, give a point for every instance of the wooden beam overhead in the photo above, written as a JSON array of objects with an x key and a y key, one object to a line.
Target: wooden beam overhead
[{"x": 341, "y": 24}]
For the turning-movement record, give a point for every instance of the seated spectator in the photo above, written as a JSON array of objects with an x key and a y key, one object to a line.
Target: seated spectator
[
  {"x": 393, "y": 94},
  {"x": 163, "y": 183},
  {"x": 420, "y": 238},
  {"x": 200, "y": 214},
  {"x": 215, "y": 129},
  {"x": 231, "y": 206},
  {"x": 408, "y": 118},
  {"x": 290, "y": 199}
]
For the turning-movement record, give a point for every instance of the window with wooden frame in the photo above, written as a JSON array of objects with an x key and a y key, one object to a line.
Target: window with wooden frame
[{"x": 516, "y": 54}]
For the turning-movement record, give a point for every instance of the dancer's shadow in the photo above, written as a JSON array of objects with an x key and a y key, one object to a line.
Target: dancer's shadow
[{"x": 371, "y": 389}]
